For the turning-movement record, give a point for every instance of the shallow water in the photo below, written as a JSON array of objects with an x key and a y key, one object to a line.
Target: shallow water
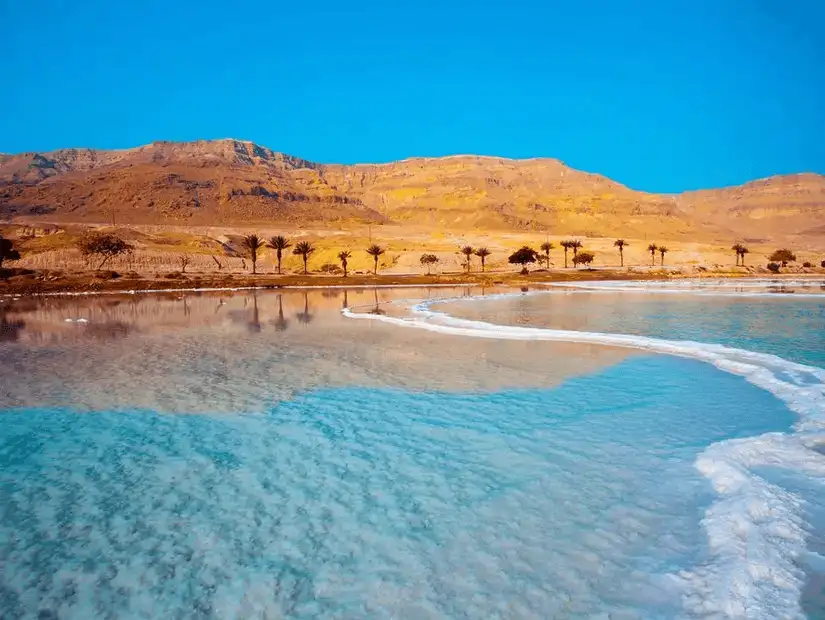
[{"x": 262, "y": 455}]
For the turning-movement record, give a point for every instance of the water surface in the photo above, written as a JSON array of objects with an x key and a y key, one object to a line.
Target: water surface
[{"x": 260, "y": 454}]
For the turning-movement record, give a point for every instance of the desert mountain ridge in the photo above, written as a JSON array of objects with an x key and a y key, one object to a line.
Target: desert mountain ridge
[{"x": 234, "y": 182}]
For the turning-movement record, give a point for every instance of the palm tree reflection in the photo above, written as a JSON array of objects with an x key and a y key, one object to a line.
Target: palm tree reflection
[
  {"x": 281, "y": 323},
  {"x": 305, "y": 317},
  {"x": 254, "y": 326},
  {"x": 377, "y": 309}
]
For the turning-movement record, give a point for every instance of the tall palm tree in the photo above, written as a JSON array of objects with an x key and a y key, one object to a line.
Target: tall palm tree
[
  {"x": 742, "y": 251},
  {"x": 567, "y": 244},
  {"x": 467, "y": 250},
  {"x": 663, "y": 250},
  {"x": 279, "y": 243},
  {"x": 652, "y": 249},
  {"x": 546, "y": 247},
  {"x": 252, "y": 244},
  {"x": 482, "y": 253},
  {"x": 576, "y": 245},
  {"x": 303, "y": 249},
  {"x": 621, "y": 244},
  {"x": 344, "y": 256},
  {"x": 736, "y": 247},
  {"x": 375, "y": 251}
]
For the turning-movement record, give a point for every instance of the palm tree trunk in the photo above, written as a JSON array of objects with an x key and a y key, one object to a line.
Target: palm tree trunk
[
  {"x": 565, "y": 258},
  {"x": 652, "y": 259},
  {"x": 743, "y": 260},
  {"x": 279, "y": 262},
  {"x": 254, "y": 265},
  {"x": 305, "y": 264},
  {"x": 621, "y": 257},
  {"x": 375, "y": 269}
]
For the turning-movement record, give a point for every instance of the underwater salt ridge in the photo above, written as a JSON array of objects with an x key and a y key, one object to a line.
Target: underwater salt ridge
[{"x": 756, "y": 532}]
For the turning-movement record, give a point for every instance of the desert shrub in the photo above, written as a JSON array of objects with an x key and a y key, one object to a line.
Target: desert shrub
[
  {"x": 822, "y": 264},
  {"x": 174, "y": 275},
  {"x": 523, "y": 256},
  {"x": 330, "y": 268},
  {"x": 783, "y": 256},
  {"x": 102, "y": 245},
  {"x": 583, "y": 258},
  {"x": 774, "y": 267},
  {"x": 107, "y": 275},
  {"x": 428, "y": 260},
  {"x": 807, "y": 264}
]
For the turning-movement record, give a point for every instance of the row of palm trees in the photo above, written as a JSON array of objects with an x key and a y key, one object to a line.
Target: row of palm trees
[{"x": 254, "y": 244}]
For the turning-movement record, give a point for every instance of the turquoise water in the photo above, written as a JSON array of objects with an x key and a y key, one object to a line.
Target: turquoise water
[{"x": 231, "y": 459}]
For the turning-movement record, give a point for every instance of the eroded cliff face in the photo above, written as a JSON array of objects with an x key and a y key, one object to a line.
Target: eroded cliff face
[{"x": 235, "y": 182}]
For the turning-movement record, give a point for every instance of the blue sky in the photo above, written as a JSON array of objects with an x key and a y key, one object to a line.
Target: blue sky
[{"x": 659, "y": 95}]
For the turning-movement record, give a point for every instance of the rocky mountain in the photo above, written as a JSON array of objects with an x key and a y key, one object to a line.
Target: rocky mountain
[{"x": 235, "y": 182}]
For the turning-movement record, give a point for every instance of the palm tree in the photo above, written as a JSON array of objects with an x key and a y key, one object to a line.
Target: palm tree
[
  {"x": 482, "y": 253},
  {"x": 576, "y": 245},
  {"x": 252, "y": 244},
  {"x": 663, "y": 250},
  {"x": 621, "y": 244},
  {"x": 566, "y": 245},
  {"x": 303, "y": 249},
  {"x": 467, "y": 250},
  {"x": 343, "y": 256},
  {"x": 736, "y": 247},
  {"x": 375, "y": 251},
  {"x": 742, "y": 251},
  {"x": 652, "y": 249},
  {"x": 279, "y": 244},
  {"x": 546, "y": 247}
]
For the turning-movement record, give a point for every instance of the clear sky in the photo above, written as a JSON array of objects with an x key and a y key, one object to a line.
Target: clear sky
[{"x": 662, "y": 95}]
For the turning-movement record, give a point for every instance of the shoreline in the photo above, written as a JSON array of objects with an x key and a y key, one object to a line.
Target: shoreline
[{"x": 46, "y": 284}]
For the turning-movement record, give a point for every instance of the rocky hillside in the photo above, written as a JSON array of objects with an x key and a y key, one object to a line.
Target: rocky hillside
[{"x": 235, "y": 182}]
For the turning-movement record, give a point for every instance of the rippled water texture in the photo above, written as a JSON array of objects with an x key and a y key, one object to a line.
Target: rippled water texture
[{"x": 262, "y": 455}]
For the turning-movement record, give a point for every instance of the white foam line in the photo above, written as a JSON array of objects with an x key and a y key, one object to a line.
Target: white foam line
[
  {"x": 698, "y": 287},
  {"x": 755, "y": 529}
]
